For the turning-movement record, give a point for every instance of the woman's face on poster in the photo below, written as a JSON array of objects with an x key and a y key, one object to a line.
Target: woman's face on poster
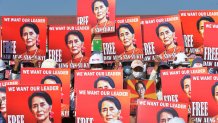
[
  {"x": 29, "y": 36},
  {"x": 126, "y": 36},
  {"x": 166, "y": 35},
  {"x": 100, "y": 10},
  {"x": 109, "y": 112},
  {"x": 74, "y": 44},
  {"x": 40, "y": 108}
]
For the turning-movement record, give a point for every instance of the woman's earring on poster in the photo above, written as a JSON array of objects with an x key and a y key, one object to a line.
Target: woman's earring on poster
[
  {"x": 134, "y": 41},
  {"x": 175, "y": 39},
  {"x": 37, "y": 43},
  {"x": 107, "y": 15},
  {"x": 83, "y": 49},
  {"x": 51, "y": 114}
]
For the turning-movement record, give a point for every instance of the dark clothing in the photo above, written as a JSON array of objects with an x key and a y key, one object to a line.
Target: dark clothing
[{"x": 2, "y": 120}]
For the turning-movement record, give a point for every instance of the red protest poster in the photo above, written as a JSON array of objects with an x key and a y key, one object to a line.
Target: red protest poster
[
  {"x": 50, "y": 76},
  {"x": 99, "y": 14},
  {"x": 24, "y": 37},
  {"x": 102, "y": 79},
  {"x": 140, "y": 89},
  {"x": 180, "y": 81},
  {"x": 205, "y": 98},
  {"x": 107, "y": 106},
  {"x": 154, "y": 111},
  {"x": 163, "y": 37},
  {"x": 210, "y": 44},
  {"x": 129, "y": 39},
  {"x": 34, "y": 103},
  {"x": 70, "y": 45},
  {"x": 193, "y": 28}
]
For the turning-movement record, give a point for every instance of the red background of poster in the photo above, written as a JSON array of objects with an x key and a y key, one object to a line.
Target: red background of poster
[
  {"x": 17, "y": 104},
  {"x": 137, "y": 28},
  {"x": 149, "y": 32},
  {"x": 210, "y": 35},
  {"x": 148, "y": 114},
  {"x": 85, "y": 109},
  {"x": 11, "y": 31},
  {"x": 189, "y": 24},
  {"x": 87, "y": 82},
  {"x": 35, "y": 79},
  {"x": 57, "y": 41},
  {"x": 201, "y": 92},
  {"x": 84, "y": 8},
  {"x": 168, "y": 84}
]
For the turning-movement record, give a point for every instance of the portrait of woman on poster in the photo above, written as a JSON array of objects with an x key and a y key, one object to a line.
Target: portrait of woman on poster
[
  {"x": 109, "y": 108},
  {"x": 166, "y": 33},
  {"x": 29, "y": 32},
  {"x": 200, "y": 28},
  {"x": 75, "y": 42},
  {"x": 100, "y": 8},
  {"x": 40, "y": 105},
  {"x": 140, "y": 89},
  {"x": 54, "y": 79},
  {"x": 126, "y": 35}
]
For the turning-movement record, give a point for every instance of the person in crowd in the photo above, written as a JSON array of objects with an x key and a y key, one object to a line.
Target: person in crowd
[
  {"x": 96, "y": 61},
  {"x": 197, "y": 62},
  {"x": 180, "y": 61},
  {"x": 49, "y": 63},
  {"x": 2, "y": 70}
]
